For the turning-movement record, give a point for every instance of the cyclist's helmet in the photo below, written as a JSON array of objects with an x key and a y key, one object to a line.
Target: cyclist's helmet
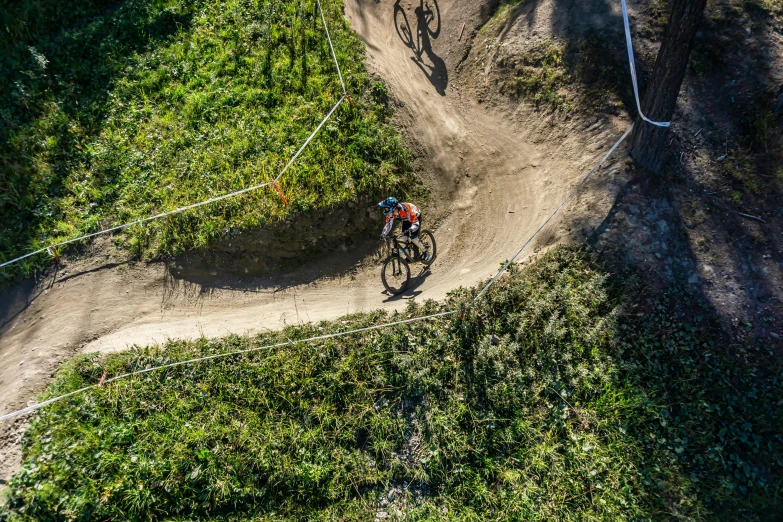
[{"x": 388, "y": 205}]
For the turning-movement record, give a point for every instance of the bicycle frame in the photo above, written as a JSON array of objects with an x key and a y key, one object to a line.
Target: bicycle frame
[
  {"x": 428, "y": 16},
  {"x": 400, "y": 249}
]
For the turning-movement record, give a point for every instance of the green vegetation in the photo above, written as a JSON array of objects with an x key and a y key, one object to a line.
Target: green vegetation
[
  {"x": 584, "y": 74},
  {"x": 724, "y": 29},
  {"x": 768, "y": 7},
  {"x": 741, "y": 172},
  {"x": 114, "y": 111},
  {"x": 657, "y": 15},
  {"x": 561, "y": 396},
  {"x": 752, "y": 149},
  {"x": 760, "y": 125},
  {"x": 541, "y": 76},
  {"x": 752, "y": 162}
]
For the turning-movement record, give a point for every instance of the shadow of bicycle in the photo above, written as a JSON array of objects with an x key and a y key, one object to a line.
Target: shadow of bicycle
[
  {"x": 413, "y": 287},
  {"x": 419, "y": 40}
]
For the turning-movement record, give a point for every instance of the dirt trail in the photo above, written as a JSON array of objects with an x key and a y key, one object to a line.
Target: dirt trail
[{"x": 493, "y": 180}]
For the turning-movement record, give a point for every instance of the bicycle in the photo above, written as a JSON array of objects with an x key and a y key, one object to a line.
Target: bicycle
[
  {"x": 431, "y": 19},
  {"x": 395, "y": 273}
]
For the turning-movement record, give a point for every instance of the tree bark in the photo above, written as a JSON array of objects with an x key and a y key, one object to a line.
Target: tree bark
[{"x": 660, "y": 99}]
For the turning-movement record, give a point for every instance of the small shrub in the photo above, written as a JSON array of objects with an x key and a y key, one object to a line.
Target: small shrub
[{"x": 540, "y": 75}]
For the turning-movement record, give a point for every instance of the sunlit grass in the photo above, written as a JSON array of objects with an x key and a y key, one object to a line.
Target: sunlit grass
[{"x": 117, "y": 111}]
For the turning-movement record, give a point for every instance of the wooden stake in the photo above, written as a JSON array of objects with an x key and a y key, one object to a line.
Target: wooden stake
[
  {"x": 53, "y": 251},
  {"x": 277, "y": 187}
]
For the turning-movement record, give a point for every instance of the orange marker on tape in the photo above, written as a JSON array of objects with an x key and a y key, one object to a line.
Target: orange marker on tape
[
  {"x": 277, "y": 187},
  {"x": 349, "y": 100},
  {"x": 103, "y": 379},
  {"x": 53, "y": 252}
]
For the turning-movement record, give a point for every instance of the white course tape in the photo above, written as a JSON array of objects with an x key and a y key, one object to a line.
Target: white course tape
[
  {"x": 632, "y": 61},
  {"x": 40, "y": 405},
  {"x": 566, "y": 200},
  {"x": 219, "y": 198},
  {"x": 306, "y": 143},
  {"x": 334, "y": 55},
  {"x": 188, "y": 207},
  {"x": 144, "y": 220}
]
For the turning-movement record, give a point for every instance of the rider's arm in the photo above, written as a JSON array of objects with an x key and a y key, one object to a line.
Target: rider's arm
[{"x": 388, "y": 227}]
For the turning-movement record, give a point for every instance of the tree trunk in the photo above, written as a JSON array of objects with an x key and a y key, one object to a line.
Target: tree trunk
[{"x": 660, "y": 99}]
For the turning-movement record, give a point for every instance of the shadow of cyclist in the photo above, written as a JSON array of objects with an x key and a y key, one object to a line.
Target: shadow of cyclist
[{"x": 427, "y": 29}]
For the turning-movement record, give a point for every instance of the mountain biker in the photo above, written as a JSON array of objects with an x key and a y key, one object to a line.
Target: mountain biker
[{"x": 410, "y": 215}]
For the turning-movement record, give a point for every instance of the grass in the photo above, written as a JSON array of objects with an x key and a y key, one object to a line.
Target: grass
[
  {"x": 565, "y": 395},
  {"x": 658, "y": 14},
  {"x": 750, "y": 167},
  {"x": 740, "y": 172},
  {"x": 113, "y": 111},
  {"x": 582, "y": 75},
  {"x": 767, "y": 7},
  {"x": 540, "y": 75},
  {"x": 752, "y": 145}
]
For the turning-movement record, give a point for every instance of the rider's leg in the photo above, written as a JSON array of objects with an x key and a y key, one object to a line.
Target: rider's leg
[
  {"x": 410, "y": 231},
  {"x": 406, "y": 230},
  {"x": 413, "y": 231}
]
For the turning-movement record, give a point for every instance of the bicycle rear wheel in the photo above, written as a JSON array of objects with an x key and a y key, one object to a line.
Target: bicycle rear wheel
[
  {"x": 395, "y": 274},
  {"x": 428, "y": 239},
  {"x": 433, "y": 24}
]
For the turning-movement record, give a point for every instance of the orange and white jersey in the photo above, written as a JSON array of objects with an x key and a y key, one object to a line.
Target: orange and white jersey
[
  {"x": 405, "y": 212},
  {"x": 408, "y": 212}
]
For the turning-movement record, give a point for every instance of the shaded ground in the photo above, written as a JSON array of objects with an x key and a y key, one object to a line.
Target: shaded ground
[
  {"x": 725, "y": 160},
  {"x": 726, "y": 149}
]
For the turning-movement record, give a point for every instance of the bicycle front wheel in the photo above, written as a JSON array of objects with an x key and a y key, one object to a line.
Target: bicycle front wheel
[
  {"x": 433, "y": 20},
  {"x": 395, "y": 275},
  {"x": 403, "y": 27}
]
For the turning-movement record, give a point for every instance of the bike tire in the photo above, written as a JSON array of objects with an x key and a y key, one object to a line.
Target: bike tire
[
  {"x": 428, "y": 238},
  {"x": 395, "y": 274},
  {"x": 434, "y": 33},
  {"x": 403, "y": 27}
]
